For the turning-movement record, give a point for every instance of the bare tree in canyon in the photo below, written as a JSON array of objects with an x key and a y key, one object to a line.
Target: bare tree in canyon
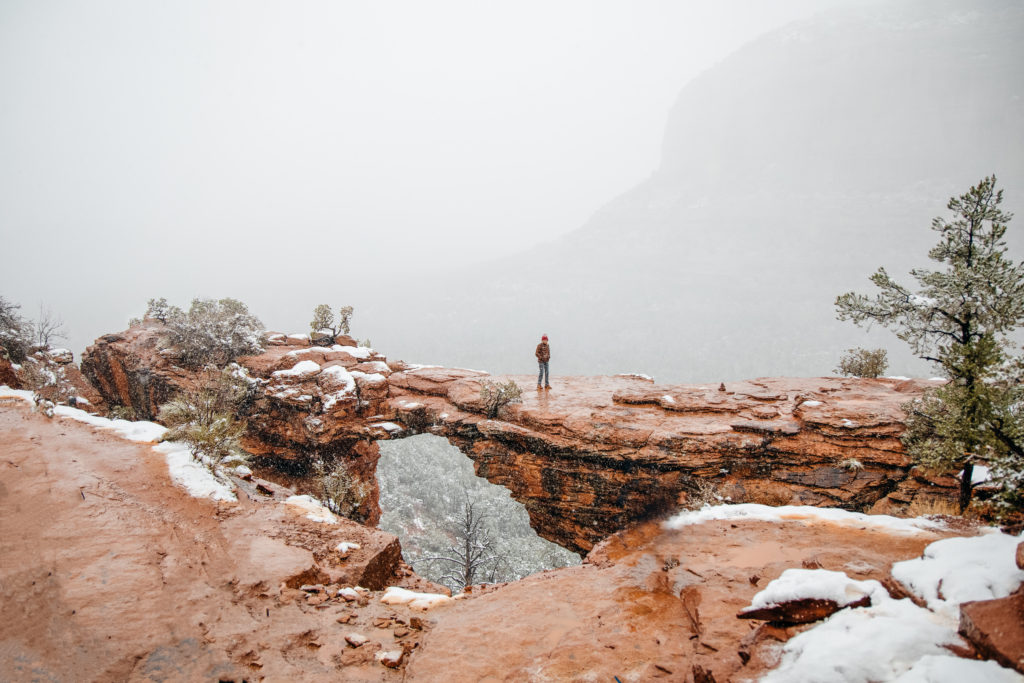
[{"x": 473, "y": 557}]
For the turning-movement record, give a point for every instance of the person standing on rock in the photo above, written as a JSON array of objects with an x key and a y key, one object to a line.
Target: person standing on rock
[{"x": 543, "y": 354}]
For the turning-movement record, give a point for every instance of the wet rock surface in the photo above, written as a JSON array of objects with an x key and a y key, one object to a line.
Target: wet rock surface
[
  {"x": 650, "y": 604},
  {"x": 587, "y": 458},
  {"x": 111, "y": 573}
]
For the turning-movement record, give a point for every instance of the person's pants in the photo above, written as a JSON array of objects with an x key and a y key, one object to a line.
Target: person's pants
[{"x": 543, "y": 377}]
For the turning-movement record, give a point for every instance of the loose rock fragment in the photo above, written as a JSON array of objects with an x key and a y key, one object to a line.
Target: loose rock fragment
[
  {"x": 355, "y": 639},
  {"x": 391, "y": 658},
  {"x": 702, "y": 675},
  {"x": 348, "y": 594}
]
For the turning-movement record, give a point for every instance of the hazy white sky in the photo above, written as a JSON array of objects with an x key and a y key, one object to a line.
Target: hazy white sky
[{"x": 198, "y": 148}]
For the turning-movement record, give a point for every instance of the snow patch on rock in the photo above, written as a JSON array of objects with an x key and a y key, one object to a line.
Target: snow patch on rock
[
  {"x": 304, "y": 368},
  {"x": 191, "y": 475},
  {"x": 963, "y": 569},
  {"x": 801, "y": 513},
  {"x": 817, "y": 584},
  {"x": 313, "y": 509},
  {"x": 421, "y": 601}
]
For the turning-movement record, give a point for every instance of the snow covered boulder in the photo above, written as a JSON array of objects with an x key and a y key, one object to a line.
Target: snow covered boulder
[
  {"x": 356, "y": 639},
  {"x": 304, "y": 369},
  {"x": 801, "y": 596},
  {"x": 373, "y": 367},
  {"x": 877, "y": 643},
  {"x": 957, "y": 570},
  {"x": 392, "y": 659},
  {"x": 337, "y": 385},
  {"x": 371, "y": 386},
  {"x": 312, "y": 509},
  {"x": 60, "y": 356}
]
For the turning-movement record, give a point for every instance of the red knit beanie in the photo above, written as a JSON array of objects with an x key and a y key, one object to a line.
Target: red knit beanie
[{"x": 544, "y": 338}]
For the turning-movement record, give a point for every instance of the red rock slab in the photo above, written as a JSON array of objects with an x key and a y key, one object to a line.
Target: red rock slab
[
  {"x": 996, "y": 628},
  {"x": 431, "y": 380},
  {"x": 780, "y": 427},
  {"x": 7, "y": 374},
  {"x": 646, "y": 602}
]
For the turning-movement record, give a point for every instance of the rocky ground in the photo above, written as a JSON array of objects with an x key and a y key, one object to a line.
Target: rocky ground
[
  {"x": 110, "y": 572},
  {"x": 650, "y": 604}
]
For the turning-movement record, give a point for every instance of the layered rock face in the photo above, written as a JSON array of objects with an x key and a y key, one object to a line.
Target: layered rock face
[
  {"x": 586, "y": 459},
  {"x": 59, "y": 362},
  {"x": 311, "y": 401},
  {"x": 599, "y": 453}
]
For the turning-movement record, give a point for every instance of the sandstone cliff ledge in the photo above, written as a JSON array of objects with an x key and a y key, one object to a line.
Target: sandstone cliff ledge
[{"x": 588, "y": 458}]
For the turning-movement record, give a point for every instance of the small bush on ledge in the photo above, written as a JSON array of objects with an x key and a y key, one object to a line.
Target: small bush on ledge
[
  {"x": 323, "y": 319},
  {"x": 211, "y": 332},
  {"x": 205, "y": 421},
  {"x": 495, "y": 395},
  {"x": 859, "y": 362},
  {"x": 340, "y": 491}
]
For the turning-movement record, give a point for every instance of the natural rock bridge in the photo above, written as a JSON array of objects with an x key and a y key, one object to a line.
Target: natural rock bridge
[{"x": 586, "y": 459}]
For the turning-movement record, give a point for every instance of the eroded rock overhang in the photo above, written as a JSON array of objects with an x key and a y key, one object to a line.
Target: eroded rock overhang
[{"x": 588, "y": 458}]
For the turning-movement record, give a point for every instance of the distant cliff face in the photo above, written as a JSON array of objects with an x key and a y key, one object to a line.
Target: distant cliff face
[
  {"x": 872, "y": 98},
  {"x": 791, "y": 171},
  {"x": 588, "y": 458}
]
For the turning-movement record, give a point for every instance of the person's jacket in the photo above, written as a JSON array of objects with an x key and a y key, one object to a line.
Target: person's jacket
[{"x": 543, "y": 352}]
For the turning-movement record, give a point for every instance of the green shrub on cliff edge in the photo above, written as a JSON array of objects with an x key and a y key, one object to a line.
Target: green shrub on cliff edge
[
  {"x": 495, "y": 395},
  {"x": 211, "y": 332},
  {"x": 859, "y": 362},
  {"x": 15, "y": 332},
  {"x": 340, "y": 491},
  {"x": 323, "y": 319},
  {"x": 207, "y": 421}
]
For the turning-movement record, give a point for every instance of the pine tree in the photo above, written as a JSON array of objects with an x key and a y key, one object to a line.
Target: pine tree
[{"x": 960, "y": 318}]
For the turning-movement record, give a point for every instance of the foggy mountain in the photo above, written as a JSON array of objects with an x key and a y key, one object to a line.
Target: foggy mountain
[{"x": 790, "y": 172}]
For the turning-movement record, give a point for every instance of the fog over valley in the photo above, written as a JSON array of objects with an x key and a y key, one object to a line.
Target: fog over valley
[{"x": 675, "y": 191}]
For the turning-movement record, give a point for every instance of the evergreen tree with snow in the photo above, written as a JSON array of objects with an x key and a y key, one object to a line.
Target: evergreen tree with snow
[{"x": 961, "y": 317}]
